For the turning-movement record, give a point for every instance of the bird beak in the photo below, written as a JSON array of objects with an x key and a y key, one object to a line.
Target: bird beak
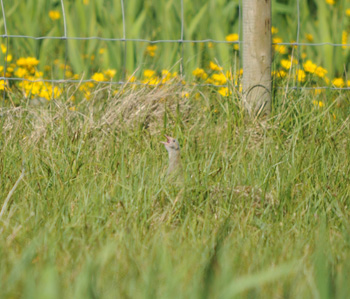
[{"x": 167, "y": 140}]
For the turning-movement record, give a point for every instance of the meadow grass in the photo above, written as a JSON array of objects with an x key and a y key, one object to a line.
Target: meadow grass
[{"x": 263, "y": 212}]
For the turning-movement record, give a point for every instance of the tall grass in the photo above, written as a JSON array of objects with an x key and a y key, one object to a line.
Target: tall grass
[{"x": 263, "y": 212}]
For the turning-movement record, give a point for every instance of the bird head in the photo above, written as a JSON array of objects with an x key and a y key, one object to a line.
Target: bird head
[{"x": 171, "y": 144}]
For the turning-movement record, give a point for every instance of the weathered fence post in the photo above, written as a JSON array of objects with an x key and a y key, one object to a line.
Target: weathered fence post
[{"x": 257, "y": 56}]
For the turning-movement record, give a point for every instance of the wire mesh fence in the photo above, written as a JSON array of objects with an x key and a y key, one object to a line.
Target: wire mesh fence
[{"x": 181, "y": 42}]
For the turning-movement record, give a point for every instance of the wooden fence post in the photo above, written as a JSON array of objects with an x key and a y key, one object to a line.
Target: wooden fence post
[{"x": 257, "y": 56}]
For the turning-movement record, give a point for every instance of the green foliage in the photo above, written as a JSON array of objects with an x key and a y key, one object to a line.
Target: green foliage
[{"x": 161, "y": 20}]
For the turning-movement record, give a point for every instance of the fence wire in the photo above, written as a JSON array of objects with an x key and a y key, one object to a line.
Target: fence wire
[{"x": 124, "y": 40}]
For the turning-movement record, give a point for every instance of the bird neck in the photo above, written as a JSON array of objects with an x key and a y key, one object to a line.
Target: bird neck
[{"x": 174, "y": 160}]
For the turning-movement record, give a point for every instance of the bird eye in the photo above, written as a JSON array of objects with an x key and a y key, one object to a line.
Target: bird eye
[{"x": 173, "y": 140}]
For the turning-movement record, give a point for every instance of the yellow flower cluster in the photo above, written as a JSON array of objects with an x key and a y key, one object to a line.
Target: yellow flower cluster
[
  {"x": 279, "y": 74},
  {"x": 2, "y": 84},
  {"x": 274, "y": 30},
  {"x": 344, "y": 38},
  {"x": 318, "y": 103},
  {"x": 213, "y": 73},
  {"x": 151, "y": 77},
  {"x": 281, "y": 49},
  {"x": 151, "y": 50},
  {"x": 215, "y": 67},
  {"x": 233, "y": 38},
  {"x": 54, "y": 15},
  {"x": 338, "y": 82},
  {"x": 39, "y": 89},
  {"x": 200, "y": 73},
  {"x": 33, "y": 87},
  {"x": 217, "y": 77},
  {"x": 107, "y": 75}
]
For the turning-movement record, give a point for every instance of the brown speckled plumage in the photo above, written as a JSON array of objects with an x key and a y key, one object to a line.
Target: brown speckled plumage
[{"x": 173, "y": 148}]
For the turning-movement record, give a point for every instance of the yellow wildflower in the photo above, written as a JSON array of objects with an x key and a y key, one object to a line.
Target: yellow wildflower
[
  {"x": 131, "y": 79},
  {"x": 294, "y": 42},
  {"x": 54, "y": 15},
  {"x": 69, "y": 74},
  {"x": 282, "y": 49},
  {"x": 44, "y": 93},
  {"x": 102, "y": 50},
  {"x": 224, "y": 91},
  {"x": 309, "y": 37},
  {"x": 303, "y": 55},
  {"x": 274, "y": 30},
  {"x": 330, "y": 2},
  {"x": 317, "y": 91},
  {"x": 309, "y": 66},
  {"x": 72, "y": 108},
  {"x": 285, "y": 63},
  {"x": 151, "y": 50},
  {"x": 348, "y": 83},
  {"x": 210, "y": 45},
  {"x": 86, "y": 2},
  {"x": 347, "y": 12},
  {"x": 98, "y": 77},
  {"x": 200, "y": 73},
  {"x": 2, "y": 84},
  {"x": 320, "y": 72},
  {"x": 110, "y": 73},
  {"x": 338, "y": 82},
  {"x": 27, "y": 62},
  {"x": 3, "y": 48},
  {"x": 149, "y": 73},
  {"x": 344, "y": 38},
  {"x": 219, "y": 79},
  {"x": 152, "y": 81},
  {"x": 300, "y": 75},
  {"x": 166, "y": 76},
  {"x": 214, "y": 66},
  {"x": 281, "y": 74},
  {"x": 232, "y": 37},
  {"x": 277, "y": 40},
  {"x": 209, "y": 81},
  {"x": 21, "y": 72},
  {"x": 318, "y": 103},
  {"x": 185, "y": 95},
  {"x": 86, "y": 86},
  {"x": 87, "y": 94}
]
